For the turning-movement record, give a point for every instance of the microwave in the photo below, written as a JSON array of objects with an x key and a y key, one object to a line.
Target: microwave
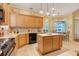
[{"x": 1, "y": 14}]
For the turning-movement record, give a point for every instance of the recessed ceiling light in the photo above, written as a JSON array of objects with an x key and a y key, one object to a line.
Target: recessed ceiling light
[
  {"x": 54, "y": 14},
  {"x": 47, "y": 13},
  {"x": 41, "y": 12},
  {"x": 53, "y": 8}
]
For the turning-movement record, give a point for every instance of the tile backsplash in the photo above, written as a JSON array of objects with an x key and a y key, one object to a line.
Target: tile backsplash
[
  {"x": 4, "y": 29},
  {"x": 33, "y": 30}
]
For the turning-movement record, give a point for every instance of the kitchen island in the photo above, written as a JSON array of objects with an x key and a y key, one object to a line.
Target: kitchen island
[{"x": 49, "y": 42}]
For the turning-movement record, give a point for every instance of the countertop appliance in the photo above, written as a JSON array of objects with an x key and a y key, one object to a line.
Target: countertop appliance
[
  {"x": 7, "y": 46},
  {"x": 1, "y": 14}
]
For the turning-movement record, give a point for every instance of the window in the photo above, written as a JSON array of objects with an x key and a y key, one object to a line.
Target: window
[
  {"x": 46, "y": 25},
  {"x": 60, "y": 26}
]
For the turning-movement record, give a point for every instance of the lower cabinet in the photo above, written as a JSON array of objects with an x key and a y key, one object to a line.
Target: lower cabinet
[
  {"x": 56, "y": 42},
  {"x": 21, "y": 40},
  {"x": 47, "y": 44}
]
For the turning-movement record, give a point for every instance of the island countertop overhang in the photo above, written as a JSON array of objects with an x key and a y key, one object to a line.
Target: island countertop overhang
[{"x": 50, "y": 34}]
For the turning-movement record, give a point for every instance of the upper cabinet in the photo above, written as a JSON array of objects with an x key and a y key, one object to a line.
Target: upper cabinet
[
  {"x": 6, "y": 12},
  {"x": 12, "y": 20},
  {"x": 1, "y": 5},
  {"x": 23, "y": 20},
  {"x": 39, "y": 22},
  {"x": 34, "y": 22},
  {"x": 1, "y": 13},
  {"x": 20, "y": 21},
  {"x": 29, "y": 21},
  {"x": 15, "y": 17}
]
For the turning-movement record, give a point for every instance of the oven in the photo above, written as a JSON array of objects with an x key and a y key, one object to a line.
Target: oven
[{"x": 32, "y": 38}]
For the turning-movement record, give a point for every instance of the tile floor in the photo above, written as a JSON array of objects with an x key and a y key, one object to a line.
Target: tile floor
[{"x": 68, "y": 49}]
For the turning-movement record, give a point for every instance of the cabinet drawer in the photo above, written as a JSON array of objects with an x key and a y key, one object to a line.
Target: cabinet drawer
[
  {"x": 47, "y": 37},
  {"x": 56, "y": 37}
]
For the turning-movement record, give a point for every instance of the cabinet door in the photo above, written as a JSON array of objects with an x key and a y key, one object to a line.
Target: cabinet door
[
  {"x": 47, "y": 44},
  {"x": 6, "y": 14},
  {"x": 61, "y": 39},
  {"x": 40, "y": 22},
  {"x": 40, "y": 44},
  {"x": 28, "y": 21},
  {"x": 20, "y": 21},
  {"x": 1, "y": 5},
  {"x": 22, "y": 40},
  {"x": 13, "y": 20},
  {"x": 56, "y": 42},
  {"x": 17, "y": 42},
  {"x": 32, "y": 22}
]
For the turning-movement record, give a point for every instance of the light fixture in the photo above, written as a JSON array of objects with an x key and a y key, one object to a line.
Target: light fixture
[
  {"x": 54, "y": 14},
  {"x": 41, "y": 11},
  {"x": 53, "y": 10},
  {"x": 47, "y": 11},
  {"x": 53, "y": 7}
]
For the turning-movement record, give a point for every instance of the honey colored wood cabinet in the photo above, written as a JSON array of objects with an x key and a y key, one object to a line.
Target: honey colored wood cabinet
[
  {"x": 47, "y": 47},
  {"x": 1, "y": 5},
  {"x": 21, "y": 40},
  {"x": 47, "y": 44},
  {"x": 6, "y": 8},
  {"x": 29, "y": 21},
  {"x": 44, "y": 44},
  {"x": 17, "y": 43},
  {"x": 56, "y": 42},
  {"x": 40, "y": 44},
  {"x": 34, "y": 22},
  {"x": 39, "y": 22},
  {"x": 20, "y": 20},
  {"x": 12, "y": 19}
]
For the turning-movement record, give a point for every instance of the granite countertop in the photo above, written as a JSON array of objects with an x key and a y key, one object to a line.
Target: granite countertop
[
  {"x": 13, "y": 35},
  {"x": 10, "y": 35},
  {"x": 49, "y": 34}
]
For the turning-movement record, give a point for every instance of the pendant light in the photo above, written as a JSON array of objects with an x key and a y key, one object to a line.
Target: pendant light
[
  {"x": 47, "y": 11},
  {"x": 41, "y": 11},
  {"x": 53, "y": 9},
  {"x": 58, "y": 16},
  {"x": 31, "y": 10}
]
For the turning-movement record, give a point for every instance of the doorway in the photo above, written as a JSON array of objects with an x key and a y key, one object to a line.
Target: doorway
[{"x": 76, "y": 30}]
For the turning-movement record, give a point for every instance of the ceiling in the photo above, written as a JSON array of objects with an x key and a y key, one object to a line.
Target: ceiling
[{"x": 61, "y": 8}]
